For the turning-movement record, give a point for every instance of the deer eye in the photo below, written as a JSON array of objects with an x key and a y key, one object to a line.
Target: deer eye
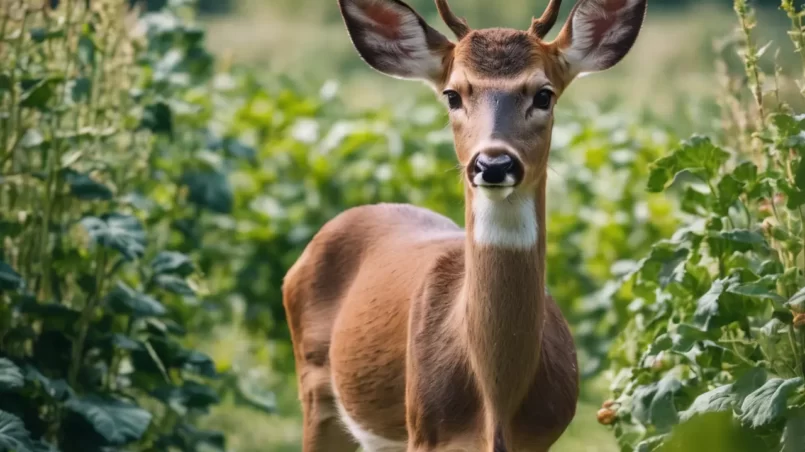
[
  {"x": 453, "y": 99},
  {"x": 542, "y": 100}
]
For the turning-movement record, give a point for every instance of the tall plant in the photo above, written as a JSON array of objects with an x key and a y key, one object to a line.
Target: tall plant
[
  {"x": 91, "y": 348},
  {"x": 713, "y": 354}
]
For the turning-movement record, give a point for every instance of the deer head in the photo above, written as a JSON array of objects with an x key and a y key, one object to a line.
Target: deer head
[{"x": 500, "y": 85}]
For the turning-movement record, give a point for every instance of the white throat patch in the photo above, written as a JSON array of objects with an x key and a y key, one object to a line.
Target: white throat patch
[{"x": 508, "y": 223}]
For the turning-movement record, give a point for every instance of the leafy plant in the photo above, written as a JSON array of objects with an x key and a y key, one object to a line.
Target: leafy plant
[
  {"x": 91, "y": 336},
  {"x": 714, "y": 338}
]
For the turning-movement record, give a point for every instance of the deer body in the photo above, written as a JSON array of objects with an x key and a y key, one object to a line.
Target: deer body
[{"x": 411, "y": 334}]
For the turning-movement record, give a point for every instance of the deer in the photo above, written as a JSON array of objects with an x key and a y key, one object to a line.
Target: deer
[{"x": 410, "y": 333}]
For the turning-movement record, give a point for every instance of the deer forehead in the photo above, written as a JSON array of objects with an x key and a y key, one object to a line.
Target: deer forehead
[{"x": 508, "y": 57}]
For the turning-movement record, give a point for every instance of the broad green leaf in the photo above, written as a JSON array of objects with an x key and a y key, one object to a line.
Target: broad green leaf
[
  {"x": 119, "y": 422},
  {"x": 13, "y": 435},
  {"x": 31, "y": 139},
  {"x": 654, "y": 403},
  {"x": 718, "y": 399},
  {"x": 697, "y": 155},
  {"x": 794, "y": 434},
  {"x": 125, "y": 300},
  {"x": 9, "y": 279},
  {"x": 10, "y": 376},
  {"x": 80, "y": 89},
  {"x": 123, "y": 342},
  {"x": 210, "y": 189},
  {"x": 708, "y": 305},
  {"x": 175, "y": 284},
  {"x": 729, "y": 189},
  {"x": 49, "y": 312},
  {"x": 190, "y": 395},
  {"x": 123, "y": 233},
  {"x": 172, "y": 262},
  {"x": 257, "y": 395},
  {"x": 797, "y": 301},
  {"x": 56, "y": 389},
  {"x": 745, "y": 172},
  {"x": 86, "y": 50},
  {"x": 764, "y": 288},
  {"x": 37, "y": 93},
  {"x": 5, "y": 83},
  {"x": 158, "y": 118},
  {"x": 768, "y": 403},
  {"x": 84, "y": 187}
]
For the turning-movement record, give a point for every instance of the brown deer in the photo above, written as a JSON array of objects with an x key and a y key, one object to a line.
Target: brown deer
[{"x": 409, "y": 334}]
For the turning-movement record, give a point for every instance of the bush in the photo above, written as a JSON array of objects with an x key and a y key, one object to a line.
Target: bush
[
  {"x": 713, "y": 339},
  {"x": 93, "y": 305}
]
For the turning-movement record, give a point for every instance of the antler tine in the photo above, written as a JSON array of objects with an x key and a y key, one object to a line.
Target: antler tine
[
  {"x": 540, "y": 27},
  {"x": 456, "y": 24}
]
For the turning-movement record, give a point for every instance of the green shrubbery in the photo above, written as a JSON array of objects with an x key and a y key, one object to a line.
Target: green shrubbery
[{"x": 711, "y": 355}]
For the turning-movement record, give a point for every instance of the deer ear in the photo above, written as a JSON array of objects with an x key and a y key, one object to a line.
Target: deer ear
[
  {"x": 393, "y": 39},
  {"x": 599, "y": 33}
]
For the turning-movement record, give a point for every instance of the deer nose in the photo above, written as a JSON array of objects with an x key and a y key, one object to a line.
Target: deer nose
[{"x": 494, "y": 169}]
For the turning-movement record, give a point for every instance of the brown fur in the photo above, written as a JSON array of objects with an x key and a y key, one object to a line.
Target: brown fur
[{"x": 422, "y": 335}]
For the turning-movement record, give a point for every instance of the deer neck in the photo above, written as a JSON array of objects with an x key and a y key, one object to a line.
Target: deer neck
[{"x": 504, "y": 296}]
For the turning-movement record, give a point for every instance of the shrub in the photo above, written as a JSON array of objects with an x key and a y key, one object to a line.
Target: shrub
[
  {"x": 91, "y": 300},
  {"x": 713, "y": 344}
]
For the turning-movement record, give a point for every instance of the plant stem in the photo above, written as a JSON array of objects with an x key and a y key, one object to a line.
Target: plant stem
[{"x": 86, "y": 317}]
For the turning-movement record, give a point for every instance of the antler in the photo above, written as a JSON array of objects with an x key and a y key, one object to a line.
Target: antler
[
  {"x": 540, "y": 27},
  {"x": 457, "y": 25}
]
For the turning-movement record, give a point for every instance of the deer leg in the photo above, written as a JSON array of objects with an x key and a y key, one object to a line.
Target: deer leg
[{"x": 322, "y": 429}]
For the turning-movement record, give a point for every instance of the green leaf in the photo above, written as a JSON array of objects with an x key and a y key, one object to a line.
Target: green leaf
[
  {"x": 86, "y": 50},
  {"x": 210, "y": 189},
  {"x": 158, "y": 118},
  {"x": 175, "y": 284},
  {"x": 764, "y": 288},
  {"x": 123, "y": 233},
  {"x": 32, "y": 138},
  {"x": 85, "y": 188},
  {"x": 654, "y": 403},
  {"x": 794, "y": 433},
  {"x": 37, "y": 93},
  {"x": 13, "y": 435},
  {"x": 718, "y": 399},
  {"x": 729, "y": 190},
  {"x": 80, "y": 89},
  {"x": 10, "y": 376},
  {"x": 745, "y": 172},
  {"x": 708, "y": 305},
  {"x": 191, "y": 395},
  {"x": 56, "y": 389},
  {"x": 797, "y": 301},
  {"x": 9, "y": 279},
  {"x": 172, "y": 262},
  {"x": 125, "y": 300},
  {"x": 697, "y": 155},
  {"x": 123, "y": 342},
  {"x": 119, "y": 422},
  {"x": 768, "y": 403}
]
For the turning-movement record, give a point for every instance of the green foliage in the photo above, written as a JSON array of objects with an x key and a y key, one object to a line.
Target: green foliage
[
  {"x": 717, "y": 309},
  {"x": 91, "y": 303}
]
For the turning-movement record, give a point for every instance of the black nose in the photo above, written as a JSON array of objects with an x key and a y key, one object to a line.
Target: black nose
[{"x": 493, "y": 169}]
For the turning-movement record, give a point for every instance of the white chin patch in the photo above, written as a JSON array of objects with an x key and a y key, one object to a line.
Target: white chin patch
[{"x": 504, "y": 219}]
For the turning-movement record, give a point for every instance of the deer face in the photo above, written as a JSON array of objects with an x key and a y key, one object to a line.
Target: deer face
[{"x": 500, "y": 85}]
